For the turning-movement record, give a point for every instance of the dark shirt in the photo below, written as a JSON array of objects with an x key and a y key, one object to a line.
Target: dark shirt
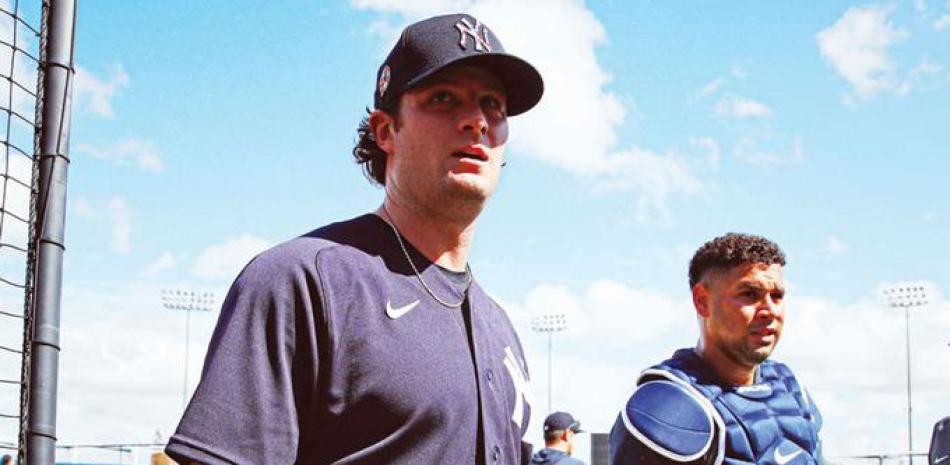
[
  {"x": 329, "y": 351},
  {"x": 548, "y": 456}
]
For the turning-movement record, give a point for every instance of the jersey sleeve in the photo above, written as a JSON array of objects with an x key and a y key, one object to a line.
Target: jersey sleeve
[{"x": 260, "y": 373}]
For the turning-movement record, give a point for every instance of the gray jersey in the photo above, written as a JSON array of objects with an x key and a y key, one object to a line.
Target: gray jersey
[{"x": 328, "y": 351}]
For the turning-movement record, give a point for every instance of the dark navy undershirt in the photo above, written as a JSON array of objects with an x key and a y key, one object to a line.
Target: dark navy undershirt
[{"x": 461, "y": 281}]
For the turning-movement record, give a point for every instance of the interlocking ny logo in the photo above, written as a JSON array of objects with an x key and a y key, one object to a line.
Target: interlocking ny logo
[{"x": 478, "y": 32}]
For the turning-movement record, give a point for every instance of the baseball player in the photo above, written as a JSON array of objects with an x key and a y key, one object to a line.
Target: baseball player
[
  {"x": 560, "y": 441},
  {"x": 369, "y": 341},
  {"x": 724, "y": 401}
]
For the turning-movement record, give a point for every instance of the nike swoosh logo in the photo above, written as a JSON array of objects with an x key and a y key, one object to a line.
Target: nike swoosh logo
[
  {"x": 399, "y": 311},
  {"x": 941, "y": 459},
  {"x": 783, "y": 459}
]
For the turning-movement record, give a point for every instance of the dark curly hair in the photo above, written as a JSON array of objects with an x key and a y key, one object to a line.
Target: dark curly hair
[
  {"x": 731, "y": 250},
  {"x": 367, "y": 152}
]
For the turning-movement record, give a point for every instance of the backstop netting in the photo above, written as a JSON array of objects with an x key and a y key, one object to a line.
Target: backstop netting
[{"x": 19, "y": 62}]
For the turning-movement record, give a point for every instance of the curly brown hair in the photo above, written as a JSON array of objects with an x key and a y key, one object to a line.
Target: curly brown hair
[
  {"x": 367, "y": 151},
  {"x": 730, "y": 250}
]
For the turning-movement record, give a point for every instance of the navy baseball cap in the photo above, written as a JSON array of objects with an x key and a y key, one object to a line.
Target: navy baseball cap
[
  {"x": 430, "y": 45},
  {"x": 562, "y": 421}
]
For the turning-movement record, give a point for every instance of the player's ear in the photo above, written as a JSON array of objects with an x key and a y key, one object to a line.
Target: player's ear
[
  {"x": 384, "y": 129},
  {"x": 701, "y": 299}
]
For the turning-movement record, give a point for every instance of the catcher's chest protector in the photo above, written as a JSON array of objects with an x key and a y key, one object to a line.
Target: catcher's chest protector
[{"x": 772, "y": 422}]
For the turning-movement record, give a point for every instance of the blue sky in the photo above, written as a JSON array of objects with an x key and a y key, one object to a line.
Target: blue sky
[{"x": 205, "y": 133}]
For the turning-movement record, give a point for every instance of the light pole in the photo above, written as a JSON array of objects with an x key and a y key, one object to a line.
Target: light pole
[
  {"x": 907, "y": 295},
  {"x": 188, "y": 301},
  {"x": 549, "y": 323}
]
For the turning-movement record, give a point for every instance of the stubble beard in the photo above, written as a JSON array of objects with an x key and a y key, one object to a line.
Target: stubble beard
[
  {"x": 451, "y": 202},
  {"x": 465, "y": 197},
  {"x": 742, "y": 353}
]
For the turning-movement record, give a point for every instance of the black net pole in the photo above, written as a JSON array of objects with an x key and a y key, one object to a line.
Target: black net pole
[{"x": 52, "y": 163}]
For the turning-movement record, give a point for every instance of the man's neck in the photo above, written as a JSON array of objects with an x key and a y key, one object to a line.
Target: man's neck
[
  {"x": 443, "y": 241},
  {"x": 726, "y": 369},
  {"x": 559, "y": 445}
]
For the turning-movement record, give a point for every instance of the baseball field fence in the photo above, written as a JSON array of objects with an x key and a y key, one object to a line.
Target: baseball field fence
[
  {"x": 878, "y": 459},
  {"x": 36, "y": 80}
]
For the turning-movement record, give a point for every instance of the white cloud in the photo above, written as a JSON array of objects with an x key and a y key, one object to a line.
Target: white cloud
[
  {"x": 651, "y": 177},
  {"x": 737, "y": 106},
  {"x": 857, "y": 47},
  {"x": 849, "y": 356},
  {"x": 16, "y": 198},
  {"x": 120, "y": 215},
  {"x": 920, "y": 5},
  {"x": 713, "y": 153},
  {"x": 835, "y": 246},
  {"x": 24, "y": 69},
  {"x": 94, "y": 94},
  {"x": 853, "y": 355},
  {"x": 121, "y": 369},
  {"x": 747, "y": 149},
  {"x": 418, "y": 8},
  {"x": 577, "y": 108},
  {"x": 601, "y": 310},
  {"x": 614, "y": 331},
  {"x": 738, "y": 72},
  {"x": 942, "y": 23},
  {"x": 225, "y": 260},
  {"x": 127, "y": 150},
  {"x": 924, "y": 76},
  {"x": 710, "y": 88},
  {"x": 574, "y": 83},
  {"x": 83, "y": 208},
  {"x": 164, "y": 262},
  {"x": 116, "y": 212}
]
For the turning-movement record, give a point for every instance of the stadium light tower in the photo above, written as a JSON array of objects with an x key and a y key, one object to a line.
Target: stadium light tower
[
  {"x": 549, "y": 323},
  {"x": 907, "y": 295},
  {"x": 188, "y": 301}
]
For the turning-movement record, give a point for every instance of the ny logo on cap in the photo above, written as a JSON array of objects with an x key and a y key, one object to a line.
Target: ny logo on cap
[{"x": 466, "y": 28}]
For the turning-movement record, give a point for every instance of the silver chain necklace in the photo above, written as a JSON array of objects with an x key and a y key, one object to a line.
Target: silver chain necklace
[{"x": 468, "y": 271}]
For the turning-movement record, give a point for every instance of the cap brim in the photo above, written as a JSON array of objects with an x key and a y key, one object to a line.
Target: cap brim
[{"x": 523, "y": 84}]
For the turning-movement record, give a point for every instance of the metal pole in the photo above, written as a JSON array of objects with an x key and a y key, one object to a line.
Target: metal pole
[
  {"x": 549, "y": 373},
  {"x": 910, "y": 434},
  {"x": 907, "y": 295},
  {"x": 49, "y": 231},
  {"x": 188, "y": 301},
  {"x": 549, "y": 323}
]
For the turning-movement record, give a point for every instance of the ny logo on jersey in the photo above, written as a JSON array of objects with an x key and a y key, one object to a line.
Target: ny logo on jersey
[
  {"x": 520, "y": 380},
  {"x": 466, "y": 28}
]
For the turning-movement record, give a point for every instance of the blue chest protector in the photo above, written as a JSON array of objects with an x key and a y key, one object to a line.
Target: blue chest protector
[{"x": 680, "y": 413}]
